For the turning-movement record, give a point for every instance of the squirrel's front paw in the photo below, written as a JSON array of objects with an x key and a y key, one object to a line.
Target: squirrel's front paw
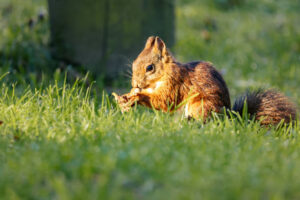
[{"x": 125, "y": 101}]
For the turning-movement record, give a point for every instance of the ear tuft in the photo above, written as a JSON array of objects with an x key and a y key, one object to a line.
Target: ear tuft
[
  {"x": 150, "y": 42},
  {"x": 159, "y": 45}
]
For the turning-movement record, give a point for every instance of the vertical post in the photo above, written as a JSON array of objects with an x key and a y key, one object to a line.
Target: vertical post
[{"x": 104, "y": 35}]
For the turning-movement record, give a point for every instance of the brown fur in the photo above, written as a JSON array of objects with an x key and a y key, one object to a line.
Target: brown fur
[
  {"x": 268, "y": 106},
  {"x": 198, "y": 84}
]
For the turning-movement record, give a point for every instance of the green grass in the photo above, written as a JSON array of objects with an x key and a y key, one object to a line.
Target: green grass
[
  {"x": 64, "y": 140},
  {"x": 62, "y": 143}
]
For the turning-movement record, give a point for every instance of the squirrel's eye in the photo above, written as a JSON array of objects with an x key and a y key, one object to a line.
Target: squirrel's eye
[{"x": 149, "y": 68}]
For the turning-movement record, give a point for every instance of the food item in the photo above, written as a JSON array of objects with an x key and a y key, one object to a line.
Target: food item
[{"x": 126, "y": 101}]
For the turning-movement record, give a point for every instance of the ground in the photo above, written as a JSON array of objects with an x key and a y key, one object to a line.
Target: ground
[{"x": 63, "y": 139}]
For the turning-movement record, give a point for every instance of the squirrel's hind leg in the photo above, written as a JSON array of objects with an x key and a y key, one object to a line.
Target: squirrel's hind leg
[{"x": 197, "y": 110}]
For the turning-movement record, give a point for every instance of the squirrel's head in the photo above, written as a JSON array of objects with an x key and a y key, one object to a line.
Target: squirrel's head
[{"x": 150, "y": 66}]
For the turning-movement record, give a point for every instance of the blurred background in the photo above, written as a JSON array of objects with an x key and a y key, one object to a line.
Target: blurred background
[{"x": 253, "y": 43}]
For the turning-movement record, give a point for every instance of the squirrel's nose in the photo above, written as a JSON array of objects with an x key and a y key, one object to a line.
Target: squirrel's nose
[{"x": 139, "y": 86}]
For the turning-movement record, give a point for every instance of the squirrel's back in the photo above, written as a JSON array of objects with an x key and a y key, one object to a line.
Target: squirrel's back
[{"x": 209, "y": 83}]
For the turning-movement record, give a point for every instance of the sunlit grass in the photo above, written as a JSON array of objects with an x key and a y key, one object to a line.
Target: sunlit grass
[{"x": 61, "y": 142}]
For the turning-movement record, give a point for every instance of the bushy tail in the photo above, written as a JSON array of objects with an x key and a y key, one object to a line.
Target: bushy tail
[{"x": 269, "y": 106}]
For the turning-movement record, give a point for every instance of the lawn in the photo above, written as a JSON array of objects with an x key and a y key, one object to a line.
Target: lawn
[{"x": 64, "y": 139}]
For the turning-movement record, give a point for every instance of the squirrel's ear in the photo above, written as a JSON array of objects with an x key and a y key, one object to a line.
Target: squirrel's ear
[
  {"x": 150, "y": 42},
  {"x": 159, "y": 47},
  {"x": 157, "y": 44}
]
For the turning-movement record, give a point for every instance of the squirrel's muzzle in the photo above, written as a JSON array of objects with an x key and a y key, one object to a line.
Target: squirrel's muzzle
[
  {"x": 134, "y": 84},
  {"x": 137, "y": 84}
]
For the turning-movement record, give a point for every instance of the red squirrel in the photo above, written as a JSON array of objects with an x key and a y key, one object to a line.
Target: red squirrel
[{"x": 162, "y": 83}]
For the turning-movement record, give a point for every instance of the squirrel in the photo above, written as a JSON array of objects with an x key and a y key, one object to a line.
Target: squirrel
[{"x": 160, "y": 82}]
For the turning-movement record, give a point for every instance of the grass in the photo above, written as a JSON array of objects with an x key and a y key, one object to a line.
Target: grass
[
  {"x": 65, "y": 140},
  {"x": 59, "y": 143}
]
